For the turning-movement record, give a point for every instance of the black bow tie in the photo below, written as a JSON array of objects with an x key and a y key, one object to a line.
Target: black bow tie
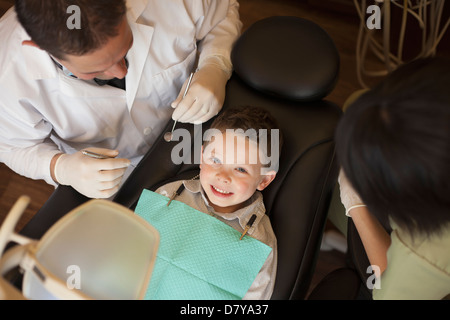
[
  {"x": 118, "y": 83},
  {"x": 115, "y": 82}
]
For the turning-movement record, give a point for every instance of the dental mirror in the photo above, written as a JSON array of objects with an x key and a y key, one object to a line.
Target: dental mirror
[{"x": 169, "y": 135}]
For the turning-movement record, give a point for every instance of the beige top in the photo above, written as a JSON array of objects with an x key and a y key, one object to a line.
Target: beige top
[{"x": 418, "y": 267}]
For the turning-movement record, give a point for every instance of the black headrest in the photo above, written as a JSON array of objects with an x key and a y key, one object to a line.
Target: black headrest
[{"x": 304, "y": 61}]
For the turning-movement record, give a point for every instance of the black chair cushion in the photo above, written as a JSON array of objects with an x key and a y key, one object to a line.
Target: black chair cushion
[
  {"x": 340, "y": 284},
  {"x": 307, "y": 71}
]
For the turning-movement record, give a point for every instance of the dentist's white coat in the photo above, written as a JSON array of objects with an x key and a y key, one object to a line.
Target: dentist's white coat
[{"x": 44, "y": 112}]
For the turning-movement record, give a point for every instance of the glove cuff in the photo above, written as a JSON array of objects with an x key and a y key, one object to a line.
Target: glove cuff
[
  {"x": 347, "y": 212},
  {"x": 58, "y": 177},
  {"x": 220, "y": 62}
]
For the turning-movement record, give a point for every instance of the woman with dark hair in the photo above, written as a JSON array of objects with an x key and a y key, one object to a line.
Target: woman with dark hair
[{"x": 393, "y": 144}]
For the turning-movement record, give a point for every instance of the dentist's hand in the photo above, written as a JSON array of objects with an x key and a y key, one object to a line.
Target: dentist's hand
[
  {"x": 94, "y": 178},
  {"x": 204, "y": 98}
]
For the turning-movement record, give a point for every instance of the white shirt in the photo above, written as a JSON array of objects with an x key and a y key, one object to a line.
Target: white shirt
[
  {"x": 44, "y": 112},
  {"x": 194, "y": 196}
]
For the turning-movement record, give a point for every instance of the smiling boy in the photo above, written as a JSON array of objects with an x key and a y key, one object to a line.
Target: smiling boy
[
  {"x": 233, "y": 171},
  {"x": 229, "y": 182}
]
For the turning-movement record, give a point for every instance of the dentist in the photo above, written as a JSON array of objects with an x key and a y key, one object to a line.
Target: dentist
[{"x": 108, "y": 83}]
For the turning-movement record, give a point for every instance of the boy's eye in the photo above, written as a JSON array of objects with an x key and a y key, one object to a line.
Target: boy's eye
[
  {"x": 214, "y": 160},
  {"x": 241, "y": 170}
]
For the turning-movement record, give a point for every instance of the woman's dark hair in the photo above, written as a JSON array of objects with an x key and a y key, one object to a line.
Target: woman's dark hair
[
  {"x": 393, "y": 144},
  {"x": 46, "y": 22}
]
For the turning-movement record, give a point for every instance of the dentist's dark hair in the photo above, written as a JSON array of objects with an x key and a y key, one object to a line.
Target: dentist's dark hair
[
  {"x": 46, "y": 22},
  {"x": 393, "y": 144}
]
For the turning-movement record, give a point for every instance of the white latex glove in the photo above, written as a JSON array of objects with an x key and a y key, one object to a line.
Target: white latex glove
[
  {"x": 94, "y": 178},
  {"x": 204, "y": 98},
  {"x": 349, "y": 198}
]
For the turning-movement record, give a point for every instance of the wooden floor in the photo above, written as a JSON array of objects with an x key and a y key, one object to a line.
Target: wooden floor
[{"x": 341, "y": 23}]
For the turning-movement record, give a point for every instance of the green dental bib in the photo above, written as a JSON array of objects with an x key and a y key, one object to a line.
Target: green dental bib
[{"x": 199, "y": 257}]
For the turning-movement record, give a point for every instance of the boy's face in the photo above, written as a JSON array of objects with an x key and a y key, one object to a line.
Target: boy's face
[{"x": 231, "y": 172}]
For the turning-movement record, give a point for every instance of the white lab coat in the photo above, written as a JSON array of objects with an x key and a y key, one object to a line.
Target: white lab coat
[{"x": 43, "y": 111}]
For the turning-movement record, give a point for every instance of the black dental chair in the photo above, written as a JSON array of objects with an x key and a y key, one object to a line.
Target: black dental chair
[{"x": 286, "y": 65}]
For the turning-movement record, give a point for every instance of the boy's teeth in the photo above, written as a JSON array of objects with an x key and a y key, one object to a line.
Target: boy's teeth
[{"x": 221, "y": 191}]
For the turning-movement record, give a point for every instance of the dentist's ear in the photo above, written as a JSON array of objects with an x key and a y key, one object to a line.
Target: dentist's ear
[{"x": 267, "y": 178}]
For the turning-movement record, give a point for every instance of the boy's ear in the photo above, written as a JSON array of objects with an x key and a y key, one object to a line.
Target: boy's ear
[{"x": 267, "y": 178}]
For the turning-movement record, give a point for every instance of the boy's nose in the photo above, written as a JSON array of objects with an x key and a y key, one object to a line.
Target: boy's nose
[{"x": 223, "y": 176}]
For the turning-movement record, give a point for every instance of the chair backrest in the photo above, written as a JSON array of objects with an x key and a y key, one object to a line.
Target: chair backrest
[{"x": 286, "y": 65}]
